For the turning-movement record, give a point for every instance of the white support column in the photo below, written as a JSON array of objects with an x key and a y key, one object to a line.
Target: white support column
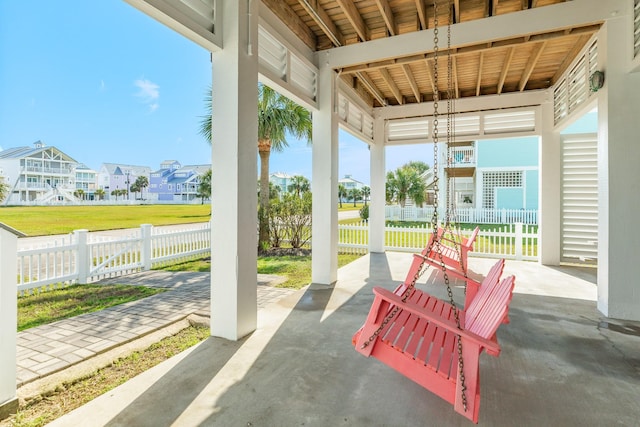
[
  {"x": 549, "y": 220},
  {"x": 324, "y": 258},
  {"x": 618, "y": 174},
  {"x": 8, "y": 321},
  {"x": 234, "y": 199},
  {"x": 378, "y": 194}
]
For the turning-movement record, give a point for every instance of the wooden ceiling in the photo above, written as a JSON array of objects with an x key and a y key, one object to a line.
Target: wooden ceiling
[{"x": 533, "y": 61}]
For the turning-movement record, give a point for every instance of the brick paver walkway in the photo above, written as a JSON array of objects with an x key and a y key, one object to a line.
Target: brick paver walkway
[{"x": 49, "y": 348}]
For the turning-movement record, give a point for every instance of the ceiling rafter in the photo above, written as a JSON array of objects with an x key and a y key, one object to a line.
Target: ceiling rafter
[
  {"x": 353, "y": 16},
  {"x": 422, "y": 14},
  {"x": 454, "y": 72},
  {"x": 319, "y": 15},
  {"x": 505, "y": 69},
  {"x": 370, "y": 86},
  {"x": 412, "y": 82},
  {"x": 388, "y": 17},
  {"x": 494, "y": 8},
  {"x": 429, "y": 64},
  {"x": 577, "y": 47},
  {"x": 391, "y": 85},
  {"x": 533, "y": 60},
  {"x": 479, "y": 73},
  {"x": 293, "y": 21},
  {"x": 456, "y": 11}
]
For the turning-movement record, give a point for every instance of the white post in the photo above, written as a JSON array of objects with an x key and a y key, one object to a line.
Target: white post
[
  {"x": 324, "y": 258},
  {"x": 549, "y": 184},
  {"x": 145, "y": 233},
  {"x": 518, "y": 241},
  {"x": 378, "y": 195},
  {"x": 8, "y": 320},
  {"x": 234, "y": 198},
  {"x": 618, "y": 173},
  {"x": 82, "y": 255}
]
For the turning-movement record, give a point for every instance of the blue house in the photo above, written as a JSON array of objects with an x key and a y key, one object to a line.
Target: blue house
[{"x": 174, "y": 182}]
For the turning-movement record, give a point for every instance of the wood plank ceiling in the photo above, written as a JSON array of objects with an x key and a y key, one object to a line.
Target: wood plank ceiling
[{"x": 534, "y": 61}]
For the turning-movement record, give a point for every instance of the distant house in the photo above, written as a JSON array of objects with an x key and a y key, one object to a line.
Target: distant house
[
  {"x": 496, "y": 174},
  {"x": 281, "y": 180},
  {"x": 115, "y": 176},
  {"x": 87, "y": 181},
  {"x": 349, "y": 183},
  {"x": 38, "y": 174},
  {"x": 174, "y": 182}
]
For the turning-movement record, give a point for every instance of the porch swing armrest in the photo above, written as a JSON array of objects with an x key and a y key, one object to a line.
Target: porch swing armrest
[{"x": 491, "y": 346}]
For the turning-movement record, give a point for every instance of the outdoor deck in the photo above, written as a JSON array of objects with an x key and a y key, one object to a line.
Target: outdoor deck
[{"x": 562, "y": 364}]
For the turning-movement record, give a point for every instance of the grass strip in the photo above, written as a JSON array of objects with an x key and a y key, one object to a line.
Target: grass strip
[
  {"x": 41, "y": 308},
  {"x": 72, "y": 395}
]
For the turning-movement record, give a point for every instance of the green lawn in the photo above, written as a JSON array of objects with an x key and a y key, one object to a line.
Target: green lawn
[{"x": 47, "y": 220}]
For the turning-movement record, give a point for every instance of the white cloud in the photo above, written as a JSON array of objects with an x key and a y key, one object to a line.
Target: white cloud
[{"x": 149, "y": 93}]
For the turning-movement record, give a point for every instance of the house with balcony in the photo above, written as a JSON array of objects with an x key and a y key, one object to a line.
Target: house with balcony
[
  {"x": 494, "y": 173},
  {"x": 86, "y": 181},
  {"x": 281, "y": 180},
  {"x": 38, "y": 174},
  {"x": 176, "y": 183},
  {"x": 115, "y": 176}
]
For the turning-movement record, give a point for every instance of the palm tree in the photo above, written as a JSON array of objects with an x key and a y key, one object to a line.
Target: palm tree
[
  {"x": 99, "y": 193},
  {"x": 204, "y": 188},
  {"x": 4, "y": 189},
  {"x": 342, "y": 193},
  {"x": 141, "y": 183},
  {"x": 79, "y": 193},
  {"x": 366, "y": 192},
  {"x": 277, "y": 117},
  {"x": 299, "y": 185},
  {"x": 405, "y": 182},
  {"x": 354, "y": 193}
]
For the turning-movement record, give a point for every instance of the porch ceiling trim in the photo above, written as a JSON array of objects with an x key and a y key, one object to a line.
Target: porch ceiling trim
[{"x": 197, "y": 21}]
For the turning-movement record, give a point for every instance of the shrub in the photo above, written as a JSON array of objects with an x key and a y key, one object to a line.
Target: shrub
[
  {"x": 290, "y": 219},
  {"x": 364, "y": 213}
]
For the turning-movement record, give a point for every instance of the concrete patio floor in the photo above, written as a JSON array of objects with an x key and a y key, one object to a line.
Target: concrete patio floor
[{"x": 562, "y": 363}]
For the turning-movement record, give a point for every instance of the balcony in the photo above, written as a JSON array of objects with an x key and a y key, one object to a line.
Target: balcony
[
  {"x": 462, "y": 161},
  {"x": 561, "y": 363}
]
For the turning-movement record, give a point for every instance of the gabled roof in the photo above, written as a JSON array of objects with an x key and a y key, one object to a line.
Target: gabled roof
[
  {"x": 38, "y": 147},
  {"x": 118, "y": 168}
]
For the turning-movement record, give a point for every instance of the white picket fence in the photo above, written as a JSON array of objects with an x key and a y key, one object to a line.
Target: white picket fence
[
  {"x": 515, "y": 241},
  {"x": 463, "y": 215},
  {"x": 85, "y": 258}
]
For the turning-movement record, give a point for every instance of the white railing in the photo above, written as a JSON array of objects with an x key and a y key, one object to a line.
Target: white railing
[
  {"x": 515, "y": 241},
  {"x": 83, "y": 258},
  {"x": 463, "y": 215},
  {"x": 462, "y": 156}
]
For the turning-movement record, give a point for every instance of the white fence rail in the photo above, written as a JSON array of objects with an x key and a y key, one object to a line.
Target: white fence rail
[
  {"x": 515, "y": 241},
  {"x": 464, "y": 215},
  {"x": 86, "y": 259}
]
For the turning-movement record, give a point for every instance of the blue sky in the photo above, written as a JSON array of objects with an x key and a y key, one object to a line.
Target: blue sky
[{"x": 103, "y": 82}]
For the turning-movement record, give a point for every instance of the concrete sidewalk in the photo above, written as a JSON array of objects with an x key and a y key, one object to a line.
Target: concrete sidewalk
[{"x": 50, "y": 348}]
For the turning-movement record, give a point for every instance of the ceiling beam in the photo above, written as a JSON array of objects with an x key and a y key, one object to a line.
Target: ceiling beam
[
  {"x": 412, "y": 82},
  {"x": 429, "y": 63},
  {"x": 370, "y": 86},
  {"x": 456, "y": 11},
  {"x": 391, "y": 85},
  {"x": 533, "y": 60},
  {"x": 454, "y": 74},
  {"x": 518, "y": 42},
  {"x": 323, "y": 20},
  {"x": 351, "y": 11},
  {"x": 422, "y": 14},
  {"x": 479, "y": 73},
  {"x": 387, "y": 15},
  {"x": 494, "y": 8},
  {"x": 505, "y": 69},
  {"x": 503, "y": 27}
]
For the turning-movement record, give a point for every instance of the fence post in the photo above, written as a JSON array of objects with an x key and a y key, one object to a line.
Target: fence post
[
  {"x": 145, "y": 232},
  {"x": 82, "y": 255},
  {"x": 518, "y": 241},
  {"x": 8, "y": 319}
]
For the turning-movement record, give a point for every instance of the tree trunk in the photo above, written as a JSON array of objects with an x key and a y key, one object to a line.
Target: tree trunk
[{"x": 264, "y": 150}]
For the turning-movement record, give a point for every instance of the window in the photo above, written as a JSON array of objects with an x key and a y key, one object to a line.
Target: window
[{"x": 493, "y": 180}]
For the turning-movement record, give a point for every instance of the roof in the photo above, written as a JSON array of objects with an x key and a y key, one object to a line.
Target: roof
[
  {"x": 118, "y": 168},
  {"x": 482, "y": 64},
  {"x": 38, "y": 147}
]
